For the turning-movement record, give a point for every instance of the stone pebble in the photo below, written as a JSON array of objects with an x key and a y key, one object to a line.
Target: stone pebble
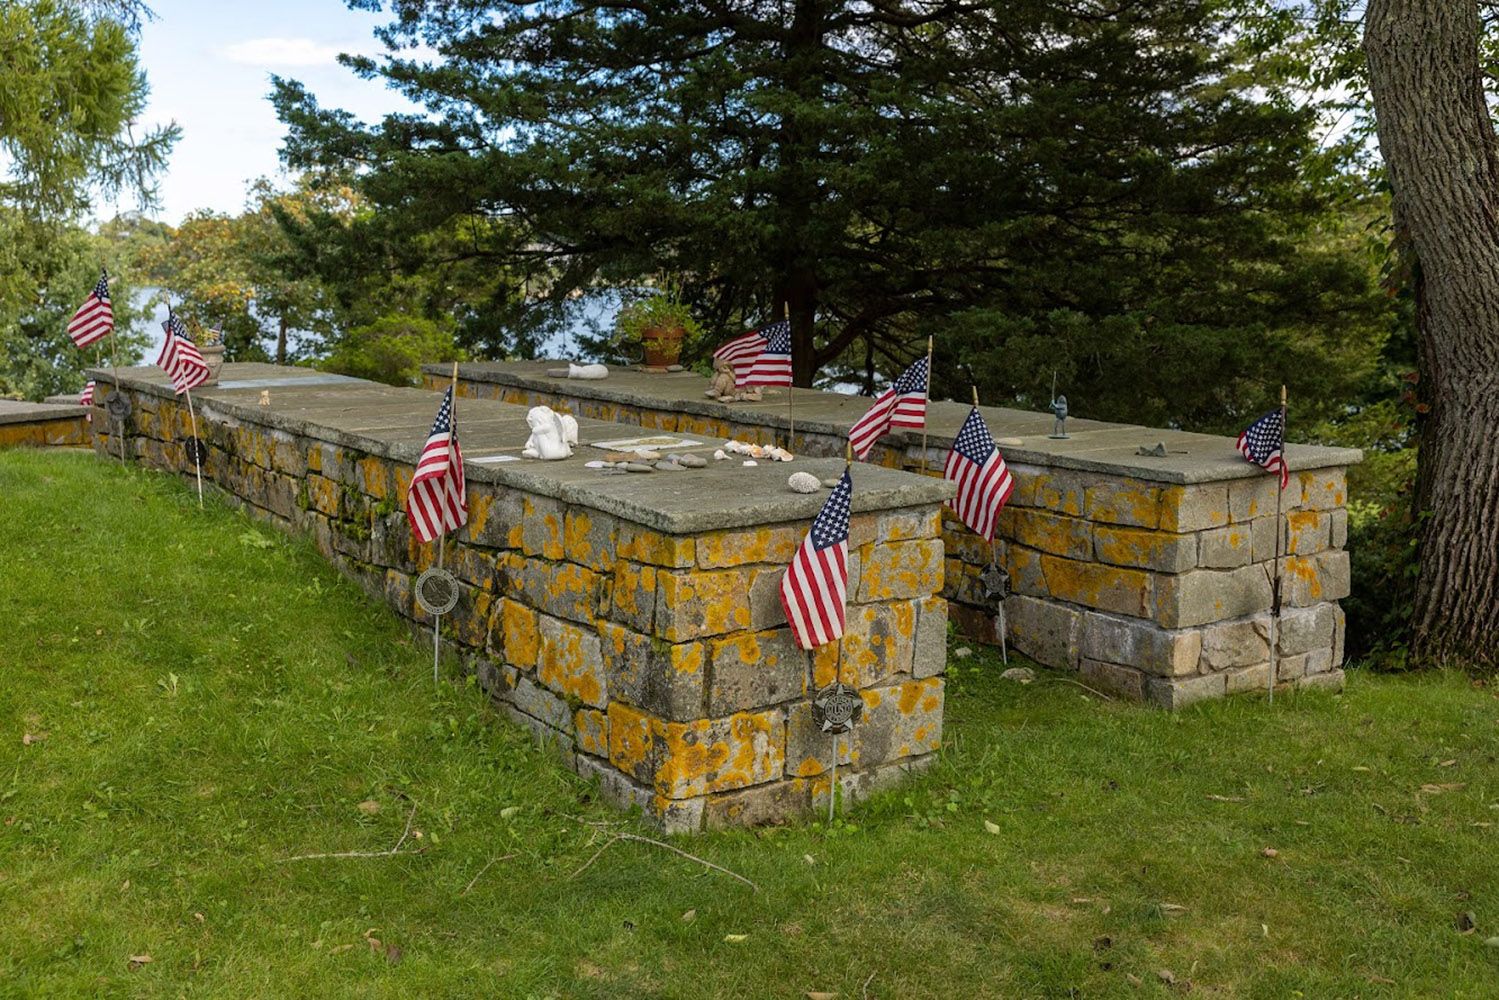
[{"x": 639, "y": 467}]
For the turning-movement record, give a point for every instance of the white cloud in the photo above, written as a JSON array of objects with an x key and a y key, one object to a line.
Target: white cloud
[{"x": 283, "y": 52}]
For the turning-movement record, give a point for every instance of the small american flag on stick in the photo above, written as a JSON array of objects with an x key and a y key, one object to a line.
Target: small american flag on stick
[
  {"x": 1264, "y": 443},
  {"x": 983, "y": 480},
  {"x": 95, "y": 319},
  {"x": 772, "y": 364},
  {"x": 438, "y": 499},
  {"x": 86, "y": 398},
  {"x": 901, "y": 405},
  {"x": 180, "y": 358},
  {"x": 815, "y": 588}
]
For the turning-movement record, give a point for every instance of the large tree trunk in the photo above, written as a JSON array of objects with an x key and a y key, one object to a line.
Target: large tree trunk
[
  {"x": 281, "y": 342},
  {"x": 1438, "y": 144}
]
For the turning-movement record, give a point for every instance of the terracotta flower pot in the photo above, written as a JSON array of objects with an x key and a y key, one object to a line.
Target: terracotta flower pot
[{"x": 663, "y": 346}]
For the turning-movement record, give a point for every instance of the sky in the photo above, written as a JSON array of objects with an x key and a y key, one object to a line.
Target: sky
[{"x": 209, "y": 65}]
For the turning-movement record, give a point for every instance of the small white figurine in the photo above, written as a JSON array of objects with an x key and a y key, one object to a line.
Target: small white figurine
[{"x": 549, "y": 434}]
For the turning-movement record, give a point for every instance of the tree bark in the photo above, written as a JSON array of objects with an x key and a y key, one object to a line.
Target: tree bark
[
  {"x": 1438, "y": 144},
  {"x": 281, "y": 342}
]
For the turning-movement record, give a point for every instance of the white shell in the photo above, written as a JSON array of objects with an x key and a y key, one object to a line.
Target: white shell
[
  {"x": 719, "y": 456},
  {"x": 596, "y": 464},
  {"x": 750, "y": 461},
  {"x": 804, "y": 482},
  {"x": 755, "y": 451}
]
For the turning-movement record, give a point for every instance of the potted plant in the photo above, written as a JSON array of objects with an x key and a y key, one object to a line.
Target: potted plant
[{"x": 660, "y": 324}]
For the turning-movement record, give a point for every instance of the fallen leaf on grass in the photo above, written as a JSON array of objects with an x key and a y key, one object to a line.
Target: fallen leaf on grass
[
  {"x": 1466, "y": 922},
  {"x": 369, "y": 807},
  {"x": 1172, "y": 908},
  {"x": 991, "y": 826},
  {"x": 735, "y": 938},
  {"x": 1167, "y": 976},
  {"x": 27, "y": 739},
  {"x": 1270, "y": 852},
  {"x": 509, "y": 811},
  {"x": 689, "y": 916},
  {"x": 393, "y": 954},
  {"x": 817, "y": 995},
  {"x": 1448, "y": 763},
  {"x": 1493, "y": 942},
  {"x": 1225, "y": 798},
  {"x": 1133, "y": 979},
  {"x": 136, "y": 961},
  {"x": 1450, "y": 786},
  {"x": 340, "y": 949}
]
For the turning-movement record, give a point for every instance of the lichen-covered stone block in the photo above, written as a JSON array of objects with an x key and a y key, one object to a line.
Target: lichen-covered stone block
[
  {"x": 900, "y": 570},
  {"x": 1129, "y": 502},
  {"x": 1179, "y": 692},
  {"x": 755, "y": 669},
  {"x": 740, "y": 547},
  {"x": 1141, "y": 644},
  {"x": 691, "y": 605},
  {"x": 1113, "y": 679},
  {"x": 1194, "y": 508},
  {"x": 588, "y": 538},
  {"x": 686, "y": 759},
  {"x": 930, "y": 656},
  {"x": 1202, "y": 596},
  {"x": 1045, "y": 631},
  {"x": 571, "y": 662},
  {"x": 1143, "y": 549},
  {"x": 665, "y": 679}
]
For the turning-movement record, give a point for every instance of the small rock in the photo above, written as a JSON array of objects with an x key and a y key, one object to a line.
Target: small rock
[
  {"x": 750, "y": 461},
  {"x": 693, "y": 461},
  {"x": 962, "y": 652},
  {"x": 666, "y": 466},
  {"x": 556, "y": 373},
  {"x": 719, "y": 456},
  {"x": 804, "y": 482},
  {"x": 596, "y": 464},
  {"x": 1020, "y": 675},
  {"x": 675, "y": 368},
  {"x": 829, "y": 483},
  {"x": 639, "y": 467},
  {"x": 1492, "y": 942},
  {"x": 645, "y": 455}
]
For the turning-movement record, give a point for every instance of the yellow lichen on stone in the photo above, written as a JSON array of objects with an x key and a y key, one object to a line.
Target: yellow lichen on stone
[
  {"x": 522, "y": 639},
  {"x": 1094, "y": 585},
  {"x": 643, "y": 545},
  {"x": 694, "y": 604},
  {"x": 566, "y": 667},
  {"x": 634, "y": 590},
  {"x": 719, "y": 549},
  {"x": 592, "y": 729},
  {"x": 376, "y": 475},
  {"x": 901, "y": 570},
  {"x": 714, "y": 755},
  {"x": 550, "y": 526},
  {"x": 631, "y": 745},
  {"x": 1304, "y": 568},
  {"x": 1298, "y": 523}
]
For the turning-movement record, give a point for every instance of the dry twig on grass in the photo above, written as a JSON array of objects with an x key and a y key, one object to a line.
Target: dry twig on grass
[
  {"x": 617, "y": 836},
  {"x": 364, "y": 854},
  {"x": 503, "y": 857}
]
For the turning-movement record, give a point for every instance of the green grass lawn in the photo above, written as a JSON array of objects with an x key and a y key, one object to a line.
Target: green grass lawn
[{"x": 188, "y": 699}]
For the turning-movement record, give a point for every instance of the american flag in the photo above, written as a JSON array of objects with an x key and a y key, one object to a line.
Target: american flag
[
  {"x": 86, "y": 398},
  {"x": 743, "y": 348},
  {"x": 984, "y": 482},
  {"x": 438, "y": 499},
  {"x": 815, "y": 587},
  {"x": 95, "y": 319},
  {"x": 901, "y": 405},
  {"x": 772, "y": 364},
  {"x": 1264, "y": 444},
  {"x": 179, "y": 357}
]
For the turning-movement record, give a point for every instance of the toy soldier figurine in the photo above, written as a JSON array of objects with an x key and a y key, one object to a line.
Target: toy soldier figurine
[{"x": 1059, "y": 408}]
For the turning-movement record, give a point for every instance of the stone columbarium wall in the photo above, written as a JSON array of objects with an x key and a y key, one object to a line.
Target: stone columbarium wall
[
  {"x": 633, "y": 621},
  {"x": 1150, "y": 576}
]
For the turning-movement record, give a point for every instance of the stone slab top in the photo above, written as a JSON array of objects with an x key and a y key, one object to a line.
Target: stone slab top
[
  {"x": 20, "y": 411},
  {"x": 1093, "y": 445},
  {"x": 393, "y": 422}
]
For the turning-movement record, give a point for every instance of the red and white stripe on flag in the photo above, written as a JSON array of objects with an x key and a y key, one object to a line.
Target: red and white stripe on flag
[
  {"x": 180, "y": 358},
  {"x": 437, "y": 501},
  {"x": 901, "y": 405},
  {"x": 814, "y": 591},
  {"x": 979, "y": 471},
  {"x": 95, "y": 319},
  {"x": 86, "y": 398}
]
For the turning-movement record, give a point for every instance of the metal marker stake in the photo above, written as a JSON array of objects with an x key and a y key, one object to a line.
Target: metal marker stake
[
  {"x": 115, "y": 375},
  {"x": 437, "y": 620},
  {"x": 1279, "y": 530},
  {"x": 197, "y": 465}
]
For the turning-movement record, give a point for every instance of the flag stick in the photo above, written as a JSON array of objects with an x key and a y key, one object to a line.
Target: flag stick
[
  {"x": 975, "y": 395},
  {"x": 114, "y": 373},
  {"x": 791, "y": 416},
  {"x": 442, "y": 536},
  {"x": 848, "y": 463},
  {"x": 193, "y": 422},
  {"x": 926, "y": 401},
  {"x": 1279, "y": 531}
]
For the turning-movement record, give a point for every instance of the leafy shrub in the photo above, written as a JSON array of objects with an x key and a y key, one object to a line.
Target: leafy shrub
[{"x": 392, "y": 349}]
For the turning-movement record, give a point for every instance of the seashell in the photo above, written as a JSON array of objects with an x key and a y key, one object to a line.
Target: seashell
[
  {"x": 596, "y": 464},
  {"x": 804, "y": 482},
  {"x": 750, "y": 461},
  {"x": 755, "y": 451},
  {"x": 719, "y": 456}
]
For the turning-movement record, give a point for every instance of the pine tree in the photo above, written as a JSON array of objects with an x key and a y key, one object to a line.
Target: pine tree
[{"x": 1106, "y": 189}]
